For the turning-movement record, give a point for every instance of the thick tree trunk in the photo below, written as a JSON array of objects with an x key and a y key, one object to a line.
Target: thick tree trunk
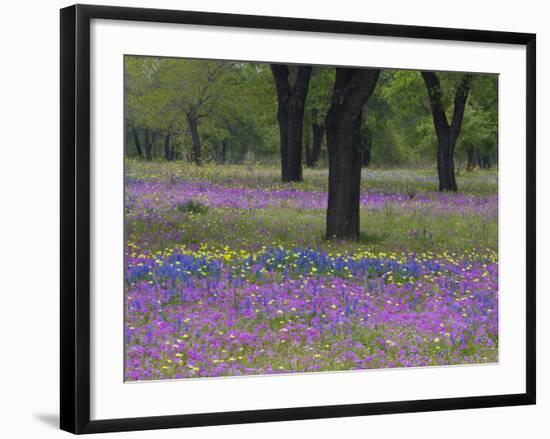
[
  {"x": 446, "y": 133},
  {"x": 197, "y": 149},
  {"x": 352, "y": 89},
  {"x": 284, "y": 129},
  {"x": 295, "y": 136},
  {"x": 168, "y": 154},
  {"x": 290, "y": 115},
  {"x": 471, "y": 151},
  {"x": 137, "y": 143},
  {"x": 148, "y": 144},
  {"x": 344, "y": 157},
  {"x": 446, "y": 165}
]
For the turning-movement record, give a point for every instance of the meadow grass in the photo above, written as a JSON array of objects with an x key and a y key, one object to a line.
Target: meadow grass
[
  {"x": 477, "y": 182},
  {"x": 394, "y": 230},
  {"x": 387, "y": 229}
]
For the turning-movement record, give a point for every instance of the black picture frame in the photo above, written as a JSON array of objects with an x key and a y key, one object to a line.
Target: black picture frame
[{"x": 75, "y": 217}]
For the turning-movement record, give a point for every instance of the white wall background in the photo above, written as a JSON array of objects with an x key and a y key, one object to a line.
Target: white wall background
[{"x": 29, "y": 187}]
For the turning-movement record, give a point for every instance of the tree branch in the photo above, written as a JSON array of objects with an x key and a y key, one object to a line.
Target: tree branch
[
  {"x": 280, "y": 76},
  {"x": 461, "y": 96},
  {"x": 353, "y": 87},
  {"x": 436, "y": 98},
  {"x": 302, "y": 82}
]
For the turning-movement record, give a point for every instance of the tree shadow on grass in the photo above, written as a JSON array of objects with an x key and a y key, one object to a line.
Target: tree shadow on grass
[{"x": 372, "y": 238}]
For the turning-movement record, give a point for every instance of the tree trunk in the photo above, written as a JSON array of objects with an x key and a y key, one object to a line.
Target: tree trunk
[
  {"x": 313, "y": 154},
  {"x": 282, "y": 118},
  {"x": 446, "y": 165},
  {"x": 295, "y": 137},
  {"x": 168, "y": 155},
  {"x": 344, "y": 157},
  {"x": 366, "y": 145},
  {"x": 224, "y": 150},
  {"x": 471, "y": 151},
  {"x": 137, "y": 142},
  {"x": 154, "y": 144},
  {"x": 148, "y": 144},
  {"x": 352, "y": 89},
  {"x": 194, "y": 128},
  {"x": 290, "y": 115},
  {"x": 446, "y": 133}
]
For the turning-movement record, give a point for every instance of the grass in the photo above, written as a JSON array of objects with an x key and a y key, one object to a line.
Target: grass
[
  {"x": 478, "y": 182},
  {"x": 387, "y": 230}
]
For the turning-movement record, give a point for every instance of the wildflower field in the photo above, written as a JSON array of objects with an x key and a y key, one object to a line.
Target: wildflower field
[{"x": 228, "y": 272}]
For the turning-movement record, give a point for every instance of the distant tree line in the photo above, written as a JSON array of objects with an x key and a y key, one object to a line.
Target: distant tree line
[{"x": 199, "y": 111}]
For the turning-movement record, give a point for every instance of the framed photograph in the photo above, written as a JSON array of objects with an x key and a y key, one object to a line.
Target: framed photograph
[{"x": 268, "y": 218}]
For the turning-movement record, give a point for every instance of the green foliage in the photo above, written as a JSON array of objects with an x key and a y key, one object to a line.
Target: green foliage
[
  {"x": 235, "y": 106},
  {"x": 480, "y": 125},
  {"x": 399, "y": 117},
  {"x": 144, "y": 104},
  {"x": 320, "y": 93}
]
